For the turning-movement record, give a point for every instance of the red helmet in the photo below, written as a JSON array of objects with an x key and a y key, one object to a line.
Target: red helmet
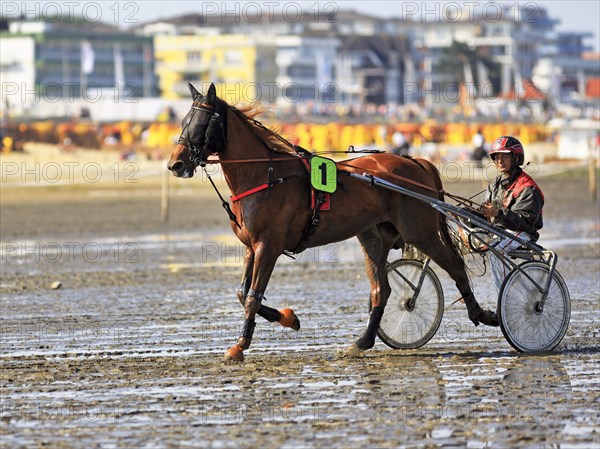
[{"x": 508, "y": 144}]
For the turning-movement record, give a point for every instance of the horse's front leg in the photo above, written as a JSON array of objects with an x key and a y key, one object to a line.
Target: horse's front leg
[
  {"x": 246, "y": 276},
  {"x": 264, "y": 262},
  {"x": 285, "y": 317}
]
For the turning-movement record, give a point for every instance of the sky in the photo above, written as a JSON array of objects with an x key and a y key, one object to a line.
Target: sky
[{"x": 577, "y": 15}]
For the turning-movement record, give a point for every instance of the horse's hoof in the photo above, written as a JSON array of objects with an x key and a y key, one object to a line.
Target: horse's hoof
[
  {"x": 490, "y": 318},
  {"x": 486, "y": 317},
  {"x": 234, "y": 354},
  {"x": 289, "y": 319},
  {"x": 364, "y": 343},
  {"x": 354, "y": 351}
]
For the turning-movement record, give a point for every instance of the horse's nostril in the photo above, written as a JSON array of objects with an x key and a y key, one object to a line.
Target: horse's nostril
[{"x": 177, "y": 166}]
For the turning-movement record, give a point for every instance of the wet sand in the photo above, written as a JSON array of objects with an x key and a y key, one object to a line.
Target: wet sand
[{"x": 128, "y": 351}]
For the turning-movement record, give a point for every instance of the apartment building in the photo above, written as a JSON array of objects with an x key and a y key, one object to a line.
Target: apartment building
[{"x": 74, "y": 60}]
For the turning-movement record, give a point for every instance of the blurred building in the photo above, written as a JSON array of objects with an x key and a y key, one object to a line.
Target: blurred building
[
  {"x": 325, "y": 59},
  {"x": 327, "y": 21},
  {"x": 384, "y": 60},
  {"x": 377, "y": 69},
  {"x": 321, "y": 58},
  {"x": 566, "y": 67},
  {"x": 245, "y": 67},
  {"x": 230, "y": 61},
  {"x": 53, "y": 61},
  {"x": 305, "y": 66},
  {"x": 491, "y": 56}
]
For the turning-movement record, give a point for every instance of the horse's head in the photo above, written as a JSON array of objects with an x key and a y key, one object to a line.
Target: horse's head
[{"x": 203, "y": 132}]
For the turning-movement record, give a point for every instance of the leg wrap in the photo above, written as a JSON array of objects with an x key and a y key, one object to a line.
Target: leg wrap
[
  {"x": 258, "y": 295},
  {"x": 244, "y": 288},
  {"x": 374, "y": 319},
  {"x": 367, "y": 341},
  {"x": 248, "y": 329},
  {"x": 269, "y": 314},
  {"x": 252, "y": 302}
]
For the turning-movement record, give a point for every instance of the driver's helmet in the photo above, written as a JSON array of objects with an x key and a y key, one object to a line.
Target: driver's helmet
[{"x": 508, "y": 144}]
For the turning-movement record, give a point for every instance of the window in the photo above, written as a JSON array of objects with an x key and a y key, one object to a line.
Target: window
[
  {"x": 298, "y": 71},
  {"x": 233, "y": 57},
  {"x": 194, "y": 57}
]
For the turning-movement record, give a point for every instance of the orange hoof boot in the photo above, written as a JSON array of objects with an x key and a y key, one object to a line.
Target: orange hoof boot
[
  {"x": 234, "y": 354},
  {"x": 289, "y": 319}
]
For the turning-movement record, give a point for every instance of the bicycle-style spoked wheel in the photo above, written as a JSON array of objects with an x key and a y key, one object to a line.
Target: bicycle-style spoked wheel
[
  {"x": 408, "y": 321},
  {"x": 525, "y": 326}
]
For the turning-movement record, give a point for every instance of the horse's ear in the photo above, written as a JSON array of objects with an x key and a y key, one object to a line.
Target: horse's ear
[
  {"x": 194, "y": 92},
  {"x": 211, "y": 96}
]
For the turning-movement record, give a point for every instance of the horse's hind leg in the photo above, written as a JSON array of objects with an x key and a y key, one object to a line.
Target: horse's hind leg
[
  {"x": 450, "y": 261},
  {"x": 376, "y": 244},
  {"x": 285, "y": 317}
]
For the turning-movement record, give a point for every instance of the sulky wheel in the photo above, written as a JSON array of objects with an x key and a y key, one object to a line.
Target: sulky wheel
[
  {"x": 410, "y": 320},
  {"x": 526, "y": 326}
]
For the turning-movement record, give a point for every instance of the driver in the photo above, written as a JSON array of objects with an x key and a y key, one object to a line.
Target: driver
[{"x": 513, "y": 201}]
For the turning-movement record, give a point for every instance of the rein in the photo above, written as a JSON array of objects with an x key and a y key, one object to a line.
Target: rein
[
  {"x": 300, "y": 154},
  {"x": 240, "y": 161},
  {"x": 224, "y": 203},
  {"x": 465, "y": 202}
]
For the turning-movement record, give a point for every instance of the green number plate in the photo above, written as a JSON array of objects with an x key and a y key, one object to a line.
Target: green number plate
[{"x": 323, "y": 174}]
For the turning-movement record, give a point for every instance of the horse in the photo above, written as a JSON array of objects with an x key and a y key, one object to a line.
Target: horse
[{"x": 271, "y": 218}]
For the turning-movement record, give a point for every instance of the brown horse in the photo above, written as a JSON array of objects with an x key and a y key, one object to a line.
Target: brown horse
[{"x": 273, "y": 220}]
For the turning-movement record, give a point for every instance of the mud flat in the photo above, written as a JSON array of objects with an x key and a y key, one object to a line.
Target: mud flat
[{"x": 128, "y": 351}]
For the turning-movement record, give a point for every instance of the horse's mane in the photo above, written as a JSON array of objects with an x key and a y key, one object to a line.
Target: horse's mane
[{"x": 268, "y": 134}]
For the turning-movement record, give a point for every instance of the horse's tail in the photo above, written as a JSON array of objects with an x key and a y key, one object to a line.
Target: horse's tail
[{"x": 445, "y": 233}]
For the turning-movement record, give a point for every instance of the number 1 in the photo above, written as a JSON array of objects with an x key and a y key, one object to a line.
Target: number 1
[{"x": 323, "y": 168}]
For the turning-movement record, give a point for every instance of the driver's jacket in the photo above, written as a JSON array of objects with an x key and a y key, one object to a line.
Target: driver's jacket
[{"x": 520, "y": 202}]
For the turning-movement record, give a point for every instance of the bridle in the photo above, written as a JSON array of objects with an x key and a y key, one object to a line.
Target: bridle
[{"x": 215, "y": 124}]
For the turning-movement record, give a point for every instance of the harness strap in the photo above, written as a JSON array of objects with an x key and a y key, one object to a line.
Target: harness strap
[
  {"x": 313, "y": 220},
  {"x": 311, "y": 225},
  {"x": 249, "y": 192},
  {"x": 260, "y": 188}
]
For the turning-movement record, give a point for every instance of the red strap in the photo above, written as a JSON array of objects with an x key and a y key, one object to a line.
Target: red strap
[
  {"x": 327, "y": 203},
  {"x": 249, "y": 192}
]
